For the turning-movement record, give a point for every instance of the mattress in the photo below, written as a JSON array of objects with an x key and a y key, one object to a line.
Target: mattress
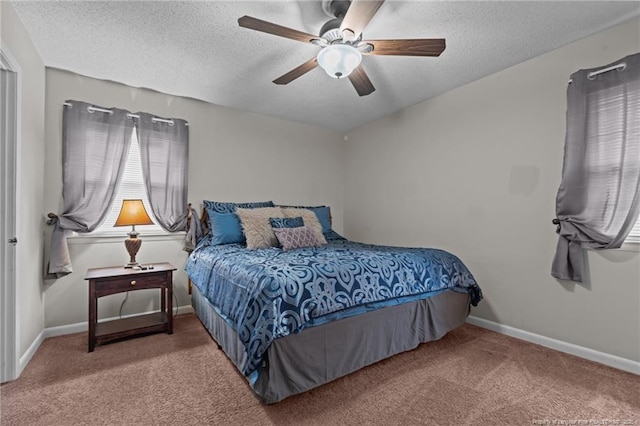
[{"x": 267, "y": 294}]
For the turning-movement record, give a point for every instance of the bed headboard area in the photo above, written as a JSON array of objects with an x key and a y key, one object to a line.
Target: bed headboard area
[{"x": 230, "y": 207}]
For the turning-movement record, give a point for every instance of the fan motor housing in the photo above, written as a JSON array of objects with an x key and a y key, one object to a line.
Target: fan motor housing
[
  {"x": 330, "y": 31},
  {"x": 335, "y": 8}
]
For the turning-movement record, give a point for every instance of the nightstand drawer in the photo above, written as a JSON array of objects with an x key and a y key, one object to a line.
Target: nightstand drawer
[{"x": 133, "y": 282}]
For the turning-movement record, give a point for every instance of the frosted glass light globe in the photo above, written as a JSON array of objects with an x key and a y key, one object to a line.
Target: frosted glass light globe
[{"x": 339, "y": 60}]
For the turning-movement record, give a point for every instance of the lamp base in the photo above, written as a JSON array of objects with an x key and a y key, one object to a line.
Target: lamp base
[{"x": 132, "y": 244}]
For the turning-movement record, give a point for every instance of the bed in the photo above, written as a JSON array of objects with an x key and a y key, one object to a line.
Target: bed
[{"x": 294, "y": 320}]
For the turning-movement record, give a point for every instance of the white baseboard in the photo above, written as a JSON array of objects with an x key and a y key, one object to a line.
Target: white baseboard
[
  {"x": 81, "y": 327},
  {"x": 569, "y": 348},
  {"x": 559, "y": 345},
  {"x": 26, "y": 357},
  {"x": 71, "y": 329}
]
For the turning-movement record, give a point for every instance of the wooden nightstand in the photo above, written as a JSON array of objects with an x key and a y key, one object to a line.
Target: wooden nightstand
[{"x": 106, "y": 281}]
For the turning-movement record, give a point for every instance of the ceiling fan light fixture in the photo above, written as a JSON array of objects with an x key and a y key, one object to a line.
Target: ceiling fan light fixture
[{"x": 339, "y": 60}]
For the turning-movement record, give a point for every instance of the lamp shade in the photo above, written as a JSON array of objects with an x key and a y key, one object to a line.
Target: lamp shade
[
  {"x": 133, "y": 213},
  {"x": 339, "y": 60}
]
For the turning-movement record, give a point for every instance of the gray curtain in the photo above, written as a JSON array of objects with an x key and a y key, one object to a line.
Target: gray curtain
[
  {"x": 598, "y": 201},
  {"x": 164, "y": 152},
  {"x": 95, "y": 146}
]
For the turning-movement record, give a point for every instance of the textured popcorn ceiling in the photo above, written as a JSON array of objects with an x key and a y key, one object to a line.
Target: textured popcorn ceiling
[{"x": 197, "y": 49}]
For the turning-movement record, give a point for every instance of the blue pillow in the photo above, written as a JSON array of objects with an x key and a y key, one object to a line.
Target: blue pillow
[
  {"x": 299, "y": 207},
  {"x": 225, "y": 228},
  {"x": 224, "y": 207},
  {"x": 286, "y": 222},
  {"x": 227, "y": 207},
  {"x": 324, "y": 217}
]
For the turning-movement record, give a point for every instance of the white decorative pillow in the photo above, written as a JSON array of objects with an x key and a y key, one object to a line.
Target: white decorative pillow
[
  {"x": 300, "y": 237},
  {"x": 257, "y": 228},
  {"x": 309, "y": 218}
]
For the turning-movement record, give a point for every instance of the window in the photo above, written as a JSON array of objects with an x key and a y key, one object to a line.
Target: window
[
  {"x": 606, "y": 131},
  {"x": 634, "y": 235},
  {"x": 131, "y": 187},
  {"x": 609, "y": 165},
  {"x": 601, "y": 172}
]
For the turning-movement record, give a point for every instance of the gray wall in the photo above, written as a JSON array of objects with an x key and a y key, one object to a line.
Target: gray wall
[
  {"x": 30, "y": 176},
  {"x": 475, "y": 171},
  {"x": 233, "y": 156}
]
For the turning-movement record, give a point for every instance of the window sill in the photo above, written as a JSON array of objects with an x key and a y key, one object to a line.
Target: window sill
[
  {"x": 633, "y": 246},
  {"x": 118, "y": 239},
  {"x": 630, "y": 246}
]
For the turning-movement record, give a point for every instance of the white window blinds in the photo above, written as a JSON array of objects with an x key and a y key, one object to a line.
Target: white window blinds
[
  {"x": 612, "y": 120},
  {"x": 131, "y": 187},
  {"x": 634, "y": 235}
]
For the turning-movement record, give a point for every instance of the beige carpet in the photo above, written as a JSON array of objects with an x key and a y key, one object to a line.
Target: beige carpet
[{"x": 471, "y": 376}]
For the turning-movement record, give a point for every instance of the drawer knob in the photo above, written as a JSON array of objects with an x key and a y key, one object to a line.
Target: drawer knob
[{"x": 133, "y": 282}]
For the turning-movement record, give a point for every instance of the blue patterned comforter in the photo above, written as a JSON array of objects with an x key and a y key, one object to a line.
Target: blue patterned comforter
[{"x": 270, "y": 293}]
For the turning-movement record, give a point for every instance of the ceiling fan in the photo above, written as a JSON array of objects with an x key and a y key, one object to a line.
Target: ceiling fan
[{"x": 342, "y": 47}]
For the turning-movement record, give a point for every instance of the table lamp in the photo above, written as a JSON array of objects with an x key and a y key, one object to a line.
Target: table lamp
[{"x": 133, "y": 213}]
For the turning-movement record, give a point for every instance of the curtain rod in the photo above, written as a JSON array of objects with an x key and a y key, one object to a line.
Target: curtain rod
[
  {"x": 619, "y": 67},
  {"x": 92, "y": 109}
]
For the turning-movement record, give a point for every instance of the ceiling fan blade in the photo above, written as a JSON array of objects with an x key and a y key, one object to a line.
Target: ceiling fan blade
[
  {"x": 275, "y": 29},
  {"x": 297, "y": 72},
  {"x": 408, "y": 47},
  {"x": 361, "y": 81},
  {"x": 357, "y": 17}
]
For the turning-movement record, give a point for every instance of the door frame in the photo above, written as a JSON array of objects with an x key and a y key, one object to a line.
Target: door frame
[{"x": 9, "y": 152}]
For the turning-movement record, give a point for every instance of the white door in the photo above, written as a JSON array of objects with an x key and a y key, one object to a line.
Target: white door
[{"x": 8, "y": 241}]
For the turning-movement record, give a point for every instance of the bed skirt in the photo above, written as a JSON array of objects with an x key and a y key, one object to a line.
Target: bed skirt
[{"x": 318, "y": 355}]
